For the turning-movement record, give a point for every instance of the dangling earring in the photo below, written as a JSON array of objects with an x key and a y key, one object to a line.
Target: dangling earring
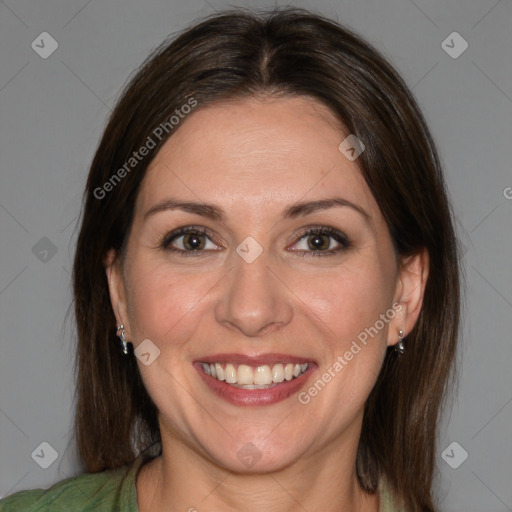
[
  {"x": 122, "y": 339},
  {"x": 400, "y": 346}
]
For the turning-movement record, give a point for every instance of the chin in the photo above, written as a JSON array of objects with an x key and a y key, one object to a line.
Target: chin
[{"x": 255, "y": 456}]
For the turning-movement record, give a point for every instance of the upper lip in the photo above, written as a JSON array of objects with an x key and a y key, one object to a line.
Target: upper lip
[{"x": 254, "y": 360}]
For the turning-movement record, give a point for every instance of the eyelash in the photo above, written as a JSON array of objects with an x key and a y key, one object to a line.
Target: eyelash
[{"x": 338, "y": 236}]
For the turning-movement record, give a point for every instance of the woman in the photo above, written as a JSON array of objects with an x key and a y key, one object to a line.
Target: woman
[{"x": 267, "y": 232}]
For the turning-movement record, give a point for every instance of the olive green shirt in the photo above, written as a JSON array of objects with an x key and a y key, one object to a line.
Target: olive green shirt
[{"x": 109, "y": 491}]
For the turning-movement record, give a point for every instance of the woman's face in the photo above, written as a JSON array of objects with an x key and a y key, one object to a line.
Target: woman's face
[{"x": 285, "y": 260}]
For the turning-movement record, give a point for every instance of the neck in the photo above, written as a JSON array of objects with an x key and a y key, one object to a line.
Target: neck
[{"x": 181, "y": 479}]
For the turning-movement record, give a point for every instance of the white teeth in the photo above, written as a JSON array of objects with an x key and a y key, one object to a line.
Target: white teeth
[
  {"x": 245, "y": 374},
  {"x": 259, "y": 377},
  {"x": 231, "y": 374},
  {"x": 263, "y": 375},
  {"x": 278, "y": 373},
  {"x": 220, "y": 371}
]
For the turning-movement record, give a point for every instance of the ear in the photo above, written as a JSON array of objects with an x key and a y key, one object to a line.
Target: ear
[
  {"x": 410, "y": 288},
  {"x": 116, "y": 286}
]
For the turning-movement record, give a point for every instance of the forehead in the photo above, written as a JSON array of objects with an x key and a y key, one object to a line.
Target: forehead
[{"x": 255, "y": 152}]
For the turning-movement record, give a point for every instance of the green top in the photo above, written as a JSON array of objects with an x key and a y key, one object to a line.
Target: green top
[{"x": 109, "y": 491}]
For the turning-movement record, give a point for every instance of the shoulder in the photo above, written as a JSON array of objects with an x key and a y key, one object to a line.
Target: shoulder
[
  {"x": 388, "y": 502},
  {"x": 103, "y": 492}
]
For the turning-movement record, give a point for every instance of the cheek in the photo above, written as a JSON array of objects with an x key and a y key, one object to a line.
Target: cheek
[
  {"x": 161, "y": 300},
  {"x": 353, "y": 348},
  {"x": 352, "y": 303},
  {"x": 350, "y": 298}
]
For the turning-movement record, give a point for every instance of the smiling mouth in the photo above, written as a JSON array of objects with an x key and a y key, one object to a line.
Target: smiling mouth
[{"x": 254, "y": 377}]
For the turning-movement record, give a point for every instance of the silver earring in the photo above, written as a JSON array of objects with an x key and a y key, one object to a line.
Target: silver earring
[
  {"x": 400, "y": 346},
  {"x": 122, "y": 338}
]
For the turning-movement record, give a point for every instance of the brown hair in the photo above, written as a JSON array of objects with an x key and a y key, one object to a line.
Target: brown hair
[{"x": 287, "y": 52}]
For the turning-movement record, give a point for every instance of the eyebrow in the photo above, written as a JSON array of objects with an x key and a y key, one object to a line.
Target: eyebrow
[
  {"x": 298, "y": 209},
  {"x": 291, "y": 212}
]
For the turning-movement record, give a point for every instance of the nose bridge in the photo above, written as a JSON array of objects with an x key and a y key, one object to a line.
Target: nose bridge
[{"x": 253, "y": 299}]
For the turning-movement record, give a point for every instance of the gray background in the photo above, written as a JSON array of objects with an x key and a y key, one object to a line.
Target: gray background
[{"x": 53, "y": 110}]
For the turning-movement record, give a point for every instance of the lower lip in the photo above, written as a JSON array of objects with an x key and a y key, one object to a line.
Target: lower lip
[{"x": 248, "y": 397}]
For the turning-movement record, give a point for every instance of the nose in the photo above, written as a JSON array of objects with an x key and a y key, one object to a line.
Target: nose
[{"x": 254, "y": 301}]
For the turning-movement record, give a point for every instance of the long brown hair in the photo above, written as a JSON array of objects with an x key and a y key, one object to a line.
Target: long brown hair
[{"x": 288, "y": 52}]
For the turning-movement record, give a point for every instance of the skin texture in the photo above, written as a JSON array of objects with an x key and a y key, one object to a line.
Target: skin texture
[{"x": 253, "y": 158}]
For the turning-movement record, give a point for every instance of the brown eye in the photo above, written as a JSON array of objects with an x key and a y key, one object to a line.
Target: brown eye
[
  {"x": 318, "y": 242},
  {"x": 322, "y": 241},
  {"x": 193, "y": 242},
  {"x": 189, "y": 241}
]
